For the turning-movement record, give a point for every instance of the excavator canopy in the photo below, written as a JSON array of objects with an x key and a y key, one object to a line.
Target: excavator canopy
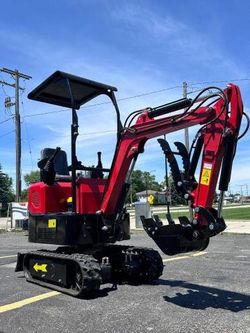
[{"x": 56, "y": 90}]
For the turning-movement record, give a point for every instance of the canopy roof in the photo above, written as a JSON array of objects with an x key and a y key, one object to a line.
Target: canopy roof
[{"x": 56, "y": 90}]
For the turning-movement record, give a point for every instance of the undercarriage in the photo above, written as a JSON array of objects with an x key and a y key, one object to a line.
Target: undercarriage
[{"x": 81, "y": 273}]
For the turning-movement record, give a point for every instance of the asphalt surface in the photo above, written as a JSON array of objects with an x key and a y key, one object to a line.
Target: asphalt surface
[{"x": 205, "y": 293}]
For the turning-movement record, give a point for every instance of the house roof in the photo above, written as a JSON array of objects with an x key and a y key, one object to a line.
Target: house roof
[{"x": 148, "y": 192}]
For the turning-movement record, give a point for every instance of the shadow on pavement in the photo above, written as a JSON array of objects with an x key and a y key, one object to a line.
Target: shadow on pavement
[
  {"x": 100, "y": 293},
  {"x": 201, "y": 297}
]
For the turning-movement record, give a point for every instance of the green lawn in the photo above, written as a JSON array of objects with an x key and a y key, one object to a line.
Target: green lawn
[{"x": 238, "y": 213}]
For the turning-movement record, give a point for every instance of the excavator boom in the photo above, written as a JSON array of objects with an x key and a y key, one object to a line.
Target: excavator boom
[
  {"x": 218, "y": 126},
  {"x": 216, "y": 140}
]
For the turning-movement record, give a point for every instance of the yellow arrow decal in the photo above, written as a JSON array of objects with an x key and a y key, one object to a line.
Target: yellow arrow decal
[{"x": 42, "y": 267}]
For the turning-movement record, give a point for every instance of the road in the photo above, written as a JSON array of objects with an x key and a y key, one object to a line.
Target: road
[{"x": 200, "y": 292}]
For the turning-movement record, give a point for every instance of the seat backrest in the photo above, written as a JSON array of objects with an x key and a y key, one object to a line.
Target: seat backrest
[{"x": 60, "y": 161}]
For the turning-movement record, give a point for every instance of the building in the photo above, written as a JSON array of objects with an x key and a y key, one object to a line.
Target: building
[{"x": 159, "y": 197}]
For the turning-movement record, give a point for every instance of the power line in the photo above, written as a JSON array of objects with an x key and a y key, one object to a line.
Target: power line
[
  {"x": 4, "y": 121},
  {"x": 2, "y": 85},
  {"x": 150, "y": 93},
  {"x": 5, "y": 134},
  {"x": 105, "y": 103},
  {"x": 45, "y": 113},
  {"x": 138, "y": 96},
  {"x": 132, "y": 97},
  {"x": 219, "y": 81},
  {"x": 90, "y": 133}
]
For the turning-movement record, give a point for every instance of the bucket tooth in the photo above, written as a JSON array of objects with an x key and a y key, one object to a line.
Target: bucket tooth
[{"x": 157, "y": 219}]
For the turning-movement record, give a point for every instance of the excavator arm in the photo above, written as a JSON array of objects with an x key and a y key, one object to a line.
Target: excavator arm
[{"x": 216, "y": 141}]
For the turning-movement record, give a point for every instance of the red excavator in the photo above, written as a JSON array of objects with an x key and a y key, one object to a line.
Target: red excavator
[{"x": 86, "y": 215}]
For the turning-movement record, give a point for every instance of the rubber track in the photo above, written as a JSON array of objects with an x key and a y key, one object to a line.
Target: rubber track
[
  {"x": 90, "y": 272},
  {"x": 151, "y": 265},
  {"x": 145, "y": 265}
]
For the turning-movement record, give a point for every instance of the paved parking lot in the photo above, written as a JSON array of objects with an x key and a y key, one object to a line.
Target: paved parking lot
[{"x": 199, "y": 292}]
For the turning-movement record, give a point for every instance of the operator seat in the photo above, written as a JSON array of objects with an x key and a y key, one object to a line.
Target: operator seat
[{"x": 60, "y": 161}]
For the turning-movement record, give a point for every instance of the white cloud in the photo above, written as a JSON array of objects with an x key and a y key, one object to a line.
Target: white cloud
[{"x": 177, "y": 38}]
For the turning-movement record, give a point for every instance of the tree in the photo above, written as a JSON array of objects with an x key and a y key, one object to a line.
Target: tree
[
  {"x": 175, "y": 198},
  {"x": 6, "y": 190},
  {"x": 141, "y": 181},
  {"x": 32, "y": 177}
]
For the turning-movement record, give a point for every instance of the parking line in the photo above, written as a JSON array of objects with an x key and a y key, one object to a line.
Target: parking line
[
  {"x": 199, "y": 254},
  {"x": 12, "y": 256},
  {"x": 184, "y": 257},
  {"x": 19, "y": 304}
]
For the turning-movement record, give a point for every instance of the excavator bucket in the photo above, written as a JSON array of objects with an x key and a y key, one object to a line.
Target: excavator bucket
[{"x": 175, "y": 238}]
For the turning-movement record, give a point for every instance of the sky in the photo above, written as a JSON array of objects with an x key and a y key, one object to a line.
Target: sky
[{"x": 146, "y": 49}]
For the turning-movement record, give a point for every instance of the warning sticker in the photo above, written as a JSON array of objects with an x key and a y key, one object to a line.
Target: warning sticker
[
  {"x": 205, "y": 176},
  {"x": 52, "y": 223}
]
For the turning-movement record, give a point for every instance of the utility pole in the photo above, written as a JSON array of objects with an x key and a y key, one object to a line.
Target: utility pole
[
  {"x": 186, "y": 138},
  {"x": 186, "y": 134},
  {"x": 241, "y": 189},
  {"x": 16, "y": 75}
]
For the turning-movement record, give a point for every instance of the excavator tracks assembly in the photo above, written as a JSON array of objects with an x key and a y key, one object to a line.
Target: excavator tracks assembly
[
  {"x": 74, "y": 274},
  {"x": 132, "y": 264},
  {"x": 81, "y": 274}
]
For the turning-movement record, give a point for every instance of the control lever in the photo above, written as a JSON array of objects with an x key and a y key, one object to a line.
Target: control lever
[{"x": 97, "y": 172}]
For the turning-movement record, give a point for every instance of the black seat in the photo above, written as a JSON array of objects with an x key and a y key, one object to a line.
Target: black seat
[{"x": 60, "y": 161}]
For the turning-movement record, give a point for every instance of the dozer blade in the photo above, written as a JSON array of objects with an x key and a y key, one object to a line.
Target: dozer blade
[{"x": 176, "y": 238}]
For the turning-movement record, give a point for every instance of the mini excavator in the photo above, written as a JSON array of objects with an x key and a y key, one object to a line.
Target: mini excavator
[{"x": 86, "y": 216}]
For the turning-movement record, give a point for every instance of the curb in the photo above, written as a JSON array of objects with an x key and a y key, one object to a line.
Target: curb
[{"x": 222, "y": 233}]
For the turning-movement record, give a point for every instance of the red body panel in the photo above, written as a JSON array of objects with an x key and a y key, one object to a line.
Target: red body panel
[
  {"x": 44, "y": 199},
  {"x": 89, "y": 195},
  {"x": 48, "y": 199}
]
